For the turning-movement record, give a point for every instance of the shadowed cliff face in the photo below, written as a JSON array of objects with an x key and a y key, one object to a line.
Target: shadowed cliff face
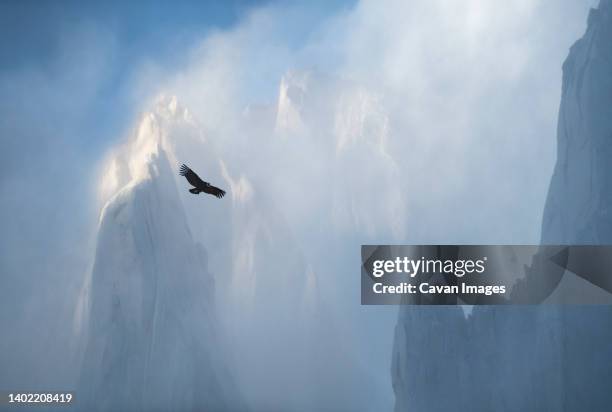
[
  {"x": 579, "y": 204},
  {"x": 555, "y": 358}
]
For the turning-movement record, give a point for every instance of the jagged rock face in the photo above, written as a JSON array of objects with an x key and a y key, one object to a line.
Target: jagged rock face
[
  {"x": 496, "y": 359},
  {"x": 423, "y": 367},
  {"x": 332, "y": 128},
  {"x": 579, "y": 205},
  {"x": 152, "y": 339},
  {"x": 543, "y": 358}
]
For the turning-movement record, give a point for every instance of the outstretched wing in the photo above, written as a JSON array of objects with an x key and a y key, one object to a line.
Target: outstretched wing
[
  {"x": 215, "y": 191},
  {"x": 199, "y": 184},
  {"x": 192, "y": 177}
]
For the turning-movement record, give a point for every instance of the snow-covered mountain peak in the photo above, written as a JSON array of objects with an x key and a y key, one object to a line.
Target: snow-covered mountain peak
[
  {"x": 130, "y": 163},
  {"x": 151, "y": 339},
  {"x": 361, "y": 117},
  {"x": 169, "y": 107},
  {"x": 241, "y": 188},
  {"x": 291, "y": 95},
  {"x": 336, "y": 111},
  {"x": 161, "y": 129}
]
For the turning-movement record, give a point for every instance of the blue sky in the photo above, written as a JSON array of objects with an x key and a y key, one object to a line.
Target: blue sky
[
  {"x": 44, "y": 39},
  {"x": 32, "y": 31}
]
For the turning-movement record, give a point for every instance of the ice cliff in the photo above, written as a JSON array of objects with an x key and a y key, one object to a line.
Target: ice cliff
[{"x": 546, "y": 358}]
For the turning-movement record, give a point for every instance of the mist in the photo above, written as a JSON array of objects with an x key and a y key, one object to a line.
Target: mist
[{"x": 456, "y": 104}]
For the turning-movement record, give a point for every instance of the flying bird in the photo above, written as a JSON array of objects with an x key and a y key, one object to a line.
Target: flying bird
[{"x": 198, "y": 184}]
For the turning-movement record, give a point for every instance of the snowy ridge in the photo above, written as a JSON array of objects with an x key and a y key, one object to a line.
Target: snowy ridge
[
  {"x": 343, "y": 126},
  {"x": 152, "y": 338}
]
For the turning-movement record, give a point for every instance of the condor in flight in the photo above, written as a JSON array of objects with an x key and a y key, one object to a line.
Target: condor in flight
[{"x": 199, "y": 184}]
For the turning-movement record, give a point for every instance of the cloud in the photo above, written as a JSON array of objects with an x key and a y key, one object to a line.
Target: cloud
[
  {"x": 45, "y": 185},
  {"x": 468, "y": 92},
  {"x": 469, "y": 89}
]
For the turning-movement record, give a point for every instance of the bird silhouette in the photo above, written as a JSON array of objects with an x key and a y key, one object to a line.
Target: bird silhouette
[{"x": 198, "y": 184}]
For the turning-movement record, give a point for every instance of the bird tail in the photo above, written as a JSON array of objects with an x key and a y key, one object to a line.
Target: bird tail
[
  {"x": 195, "y": 191},
  {"x": 184, "y": 169}
]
